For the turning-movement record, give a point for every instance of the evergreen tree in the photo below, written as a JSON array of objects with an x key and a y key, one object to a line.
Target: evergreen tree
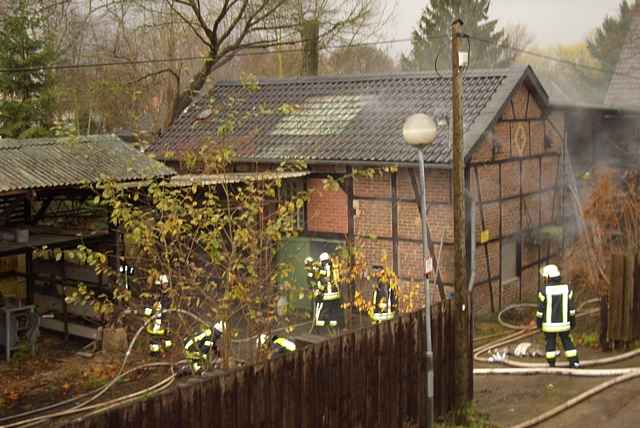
[
  {"x": 607, "y": 42},
  {"x": 436, "y": 21},
  {"x": 26, "y": 97}
]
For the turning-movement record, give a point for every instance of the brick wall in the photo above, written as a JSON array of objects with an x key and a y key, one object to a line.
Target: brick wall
[
  {"x": 515, "y": 169},
  {"x": 511, "y": 168},
  {"x": 326, "y": 209}
]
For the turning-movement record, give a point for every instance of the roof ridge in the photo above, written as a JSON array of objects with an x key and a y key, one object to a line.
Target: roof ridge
[
  {"x": 488, "y": 72},
  {"x": 15, "y": 143}
]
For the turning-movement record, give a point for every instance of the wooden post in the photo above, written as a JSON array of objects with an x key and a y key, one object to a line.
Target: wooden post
[
  {"x": 604, "y": 324},
  {"x": 28, "y": 256},
  {"x": 462, "y": 373},
  {"x": 395, "y": 234},
  {"x": 310, "y": 42}
]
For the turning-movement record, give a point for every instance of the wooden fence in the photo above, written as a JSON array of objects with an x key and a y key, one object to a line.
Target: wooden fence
[
  {"x": 624, "y": 298},
  {"x": 372, "y": 377}
]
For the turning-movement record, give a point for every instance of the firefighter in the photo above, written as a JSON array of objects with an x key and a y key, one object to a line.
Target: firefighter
[
  {"x": 279, "y": 345},
  {"x": 556, "y": 315},
  {"x": 155, "y": 323},
  {"x": 385, "y": 303},
  {"x": 312, "y": 270},
  {"x": 201, "y": 347},
  {"x": 126, "y": 271},
  {"x": 328, "y": 311}
]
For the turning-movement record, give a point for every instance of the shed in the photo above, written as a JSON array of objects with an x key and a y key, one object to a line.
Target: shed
[{"x": 337, "y": 125}]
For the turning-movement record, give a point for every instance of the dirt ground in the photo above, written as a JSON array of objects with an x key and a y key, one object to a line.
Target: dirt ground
[
  {"x": 56, "y": 372},
  {"x": 509, "y": 400}
]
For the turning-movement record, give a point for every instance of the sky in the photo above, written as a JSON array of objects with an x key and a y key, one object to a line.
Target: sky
[{"x": 549, "y": 21}]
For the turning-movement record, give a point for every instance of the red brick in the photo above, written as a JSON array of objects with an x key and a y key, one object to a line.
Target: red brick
[
  {"x": 375, "y": 249},
  {"x": 548, "y": 207},
  {"x": 510, "y": 179},
  {"x": 373, "y": 218},
  {"x": 510, "y": 217},
  {"x": 491, "y": 220},
  {"x": 530, "y": 175},
  {"x": 502, "y": 138},
  {"x": 438, "y": 186},
  {"x": 550, "y": 171},
  {"x": 534, "y": 111},
  {"x": 520, "y": 99},
  {"x": 405, "y": 188},
  {"x": 489, "y": 182},
  {"x": 375, "y": 187},
  {"x": 411, "y": 265},
  {"x": 327, "y": 209},
  {"x": 409, "y": 223},
  {"x": 537, "y": 137},
  {"x": 531, "y": 211}
]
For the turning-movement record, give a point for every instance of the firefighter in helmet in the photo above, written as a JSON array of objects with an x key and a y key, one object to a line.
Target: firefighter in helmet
[
  {"x": 127, "y": 272},
  {"x": 385, "y": 301},
  {"x": 156, "y": 326},
  {"x": 312, "y": 271},
  {"x": 328, "y": 310},
  {"x": 201, "y": 347},
  {"x": 278, "y": 345},
  {"x": 556, "y": 315}
]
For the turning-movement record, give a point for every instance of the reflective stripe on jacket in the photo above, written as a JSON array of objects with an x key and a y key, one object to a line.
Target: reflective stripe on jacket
[
  {"x": 285, "y": 343},
  {"x": 555, "y": 308}
]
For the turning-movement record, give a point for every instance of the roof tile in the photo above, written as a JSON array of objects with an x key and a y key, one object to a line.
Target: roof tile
[{"x": 340, "y": 118}]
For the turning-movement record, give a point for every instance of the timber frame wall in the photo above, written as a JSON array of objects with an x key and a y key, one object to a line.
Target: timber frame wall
[{"x": 515, "y": 176}]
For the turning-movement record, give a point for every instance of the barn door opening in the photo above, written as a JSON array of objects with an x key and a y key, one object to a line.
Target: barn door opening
[{"x": 510, "y": 274}]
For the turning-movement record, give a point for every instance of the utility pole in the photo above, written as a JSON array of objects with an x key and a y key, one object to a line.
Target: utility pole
[
  {"x": 462, "y": 375},
  {"x": 311, "y": 47}
]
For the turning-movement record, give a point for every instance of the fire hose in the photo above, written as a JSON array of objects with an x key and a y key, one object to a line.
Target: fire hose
[
  {"x": 623, "y": 375},
  {"x": 81, "y": 407}
]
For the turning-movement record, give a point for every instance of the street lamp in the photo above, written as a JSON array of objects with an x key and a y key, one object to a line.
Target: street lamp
[{"x": 419, "y": 130}]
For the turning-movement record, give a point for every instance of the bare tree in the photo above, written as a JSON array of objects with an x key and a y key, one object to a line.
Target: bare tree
[
  {"x": 359, "y": 60},
  {"x": 518, "y": 38},
  {"x": 228, "y": 27}
]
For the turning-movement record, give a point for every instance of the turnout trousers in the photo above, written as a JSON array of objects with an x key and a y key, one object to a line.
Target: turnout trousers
[{"x": 570, "y": 350}]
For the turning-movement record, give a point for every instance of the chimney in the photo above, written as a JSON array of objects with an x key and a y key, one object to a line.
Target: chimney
[{"x": 310, "y": 51}]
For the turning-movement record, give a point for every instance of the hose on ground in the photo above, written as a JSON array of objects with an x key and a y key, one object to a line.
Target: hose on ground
[
  {"x": 78, "y": 397},
  {"x": 572, "y": 402},
  {"x": 101, "y": 391},
  {"x": 556, "y": 371},
  {"x": 623, "y": 375},
  {"x": 163, "y": 384},
  {"x": 510, "y": 307}
]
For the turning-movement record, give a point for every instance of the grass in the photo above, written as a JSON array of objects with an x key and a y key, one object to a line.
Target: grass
[{"x": 469, "y": 417}]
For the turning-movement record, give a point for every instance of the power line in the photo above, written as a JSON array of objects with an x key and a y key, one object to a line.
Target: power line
[
  {"x": 192, "y": 58},
  {"x": 555, "y": 59}
]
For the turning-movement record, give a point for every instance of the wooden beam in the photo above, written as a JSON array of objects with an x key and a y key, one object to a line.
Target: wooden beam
[
  {"x": 42, "y": 210},
  {"x": 394, "y": 222},
  {"x": 351, "y": 232},
  {"x": 486, "y": 247}
]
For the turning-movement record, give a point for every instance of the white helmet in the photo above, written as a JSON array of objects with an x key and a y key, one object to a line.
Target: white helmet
[
  {"x": 324, "y": 257},
  {"x": 550, "y": 271},
  {"x": 162, "y": 280},
  {"x": 263, "y": 339},
  {"x": 219, "y": 327}
]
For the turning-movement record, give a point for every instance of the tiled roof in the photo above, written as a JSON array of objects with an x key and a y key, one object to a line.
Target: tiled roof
[
  {"x": 341, "y": 119},
  {"x": 58, "y": 162},
  {"x": 624, "y": 89}
]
